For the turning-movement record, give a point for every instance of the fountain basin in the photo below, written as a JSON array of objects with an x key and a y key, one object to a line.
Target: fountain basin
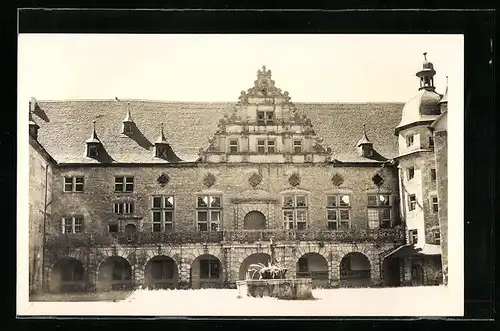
[{"x": 286, "y": 289}]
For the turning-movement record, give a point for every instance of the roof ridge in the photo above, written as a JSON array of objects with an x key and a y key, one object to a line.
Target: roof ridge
[{"x": 223, "y": 102}]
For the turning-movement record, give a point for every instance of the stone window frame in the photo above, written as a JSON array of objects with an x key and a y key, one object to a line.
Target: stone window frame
[
  {"x": 412, "y": 205},
  {"x": 230, "y": 145},
  {"x": 375, "y": 209},
  {"x": 433, "y": 174},
  {"x": 74, "y": 184},
  {"x": 413, "y": 236},
  {"x": 410, "y": 173},
  {"x": 434, "y": 203},
  {"x": 126, "y": 180},
  {"x": 122, "y": 207},
  {"x": 73, "y": 225},
  {"x": 410, "y": 140},
  {"x": 338, "y": 208},
  {"x": 209, "y": 210},
  {"x": 295, "y": 146},
  {"x": 266, "y": 145},
  {"x": 294, "y": 209},
  {"x": 437, "y": 237},
  {"x": 162, "y": 209}
]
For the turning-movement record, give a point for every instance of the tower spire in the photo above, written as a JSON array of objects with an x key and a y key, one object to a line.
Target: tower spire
[{"x": 364, "y": 139}]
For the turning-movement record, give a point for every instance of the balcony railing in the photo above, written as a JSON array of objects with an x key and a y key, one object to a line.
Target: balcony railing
[{"x": 392, "y": 235}]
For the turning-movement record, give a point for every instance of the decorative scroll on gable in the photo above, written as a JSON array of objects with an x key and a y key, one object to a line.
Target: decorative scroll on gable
[{"x": 265, "y": 127}]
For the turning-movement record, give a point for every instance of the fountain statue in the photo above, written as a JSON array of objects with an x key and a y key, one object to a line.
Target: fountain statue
[
  {"x": 272, "y": 281},
  {"x": 272, "y": 270}
]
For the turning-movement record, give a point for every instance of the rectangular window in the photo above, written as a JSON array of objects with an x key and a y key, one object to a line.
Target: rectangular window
[
  {"x": 233, "y": 146},
  {"x": 261, "y": 146},
  {"x": 297, "y": 146},
  {"x": 433, "y": 174},
  {"x": 270, "y": 147},
  {"x": 93, "y": 151},
  {"x": 72, "y": 224},
  {"x": 269, "y": 117},
  {"x": 121, "y": 208},
  {"x": 209, "y": 269},
  {"x": 412, "y": 202},
  {"x": 431, "y": 142},
  {"x": 379, "y": 211},
  {"x": 437, "y": 238},
  {"x": 266, "y": 146},
  {"x": 209, "y": 213},
  {"x": 435, "y": 204},
  {"x": 295, "y": 212},
  {"x": 261, "y": 118},
  {"x": 409, "y": 141},
  {"x": 124, "y": 184},
  {"x": 337, "y": 212},
  {"x": 113, "y": 228},
  {"x": 410, "y": 173},
  {"x": 162, "y": 213},
  {"x": 73, "y": 184},
  {"x": 413, "y": 236}
]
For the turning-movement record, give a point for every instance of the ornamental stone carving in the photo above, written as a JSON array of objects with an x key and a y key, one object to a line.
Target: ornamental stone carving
[
  {"x": 294, "y": 179},
  {"x": 255, "y": 179},
  {"x": 209, "y": 179}
]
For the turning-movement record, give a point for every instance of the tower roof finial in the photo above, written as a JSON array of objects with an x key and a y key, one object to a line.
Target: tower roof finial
[
  {"x": 364, "y": 140},
  {"x": 161, "y": 139},
  {"x": 93, "y": 138},
  {"x": 425, "y": 56}
]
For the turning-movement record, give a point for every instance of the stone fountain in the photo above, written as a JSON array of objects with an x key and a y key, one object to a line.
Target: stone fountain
[{"x": 273, "y": 282}]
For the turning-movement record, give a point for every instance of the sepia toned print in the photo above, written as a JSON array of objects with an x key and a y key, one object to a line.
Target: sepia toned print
[{"x": 257, "y": 199}]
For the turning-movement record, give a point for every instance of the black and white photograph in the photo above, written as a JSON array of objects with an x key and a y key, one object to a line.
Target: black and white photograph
[{"x": 240, "y": 174}]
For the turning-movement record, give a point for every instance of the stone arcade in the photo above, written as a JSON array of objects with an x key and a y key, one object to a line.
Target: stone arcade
[{"x": 128, "y": 194}]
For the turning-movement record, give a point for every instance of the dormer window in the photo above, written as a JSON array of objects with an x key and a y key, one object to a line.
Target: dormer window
[
  {"x": 93, "y": 144},
  {"x": 233, "y": 146},
  {"x": 93, "y": 151},
  {"x": 409, "y": 141},
  {"x": 127, "y": 128}
]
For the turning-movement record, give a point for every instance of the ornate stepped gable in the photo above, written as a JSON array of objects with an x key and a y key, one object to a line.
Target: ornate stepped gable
[{"x": 265, "y": 127}]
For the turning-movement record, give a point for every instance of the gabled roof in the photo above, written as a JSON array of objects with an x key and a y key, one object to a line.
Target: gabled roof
[{"x": 189, "y": 125}]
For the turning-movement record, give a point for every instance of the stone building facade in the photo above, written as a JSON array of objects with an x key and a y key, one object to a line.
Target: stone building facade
[
  {"x": 423, "y": 176},
  {"x": 40, "y": 192},
  {"x": 199, "y": 204}
]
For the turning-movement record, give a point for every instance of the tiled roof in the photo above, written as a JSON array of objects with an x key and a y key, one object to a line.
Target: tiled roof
[{"x": 66, "y": 125}]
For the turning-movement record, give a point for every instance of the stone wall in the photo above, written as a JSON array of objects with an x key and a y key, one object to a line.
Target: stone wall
[
  {"x": 232, "y": 181},
  {"x": 441, "y": 152},
  {"x": 40, "y": 191},
  {"x": 231, "y": 258},
  {"x": 423, "y": 218}
]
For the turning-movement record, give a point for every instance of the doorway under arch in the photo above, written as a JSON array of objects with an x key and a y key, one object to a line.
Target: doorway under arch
[
  {"x": 314, "y": 266},
  {"x": 115, "y": 273},
  {"x": 355, "y": 270},
  {"x": 68, "y": 275},
  {"x": 417, "y": 275},
  {"x": 206, "y": 272},
  {"x": 161, "y": 273},
  {"x": 254, "y": 220}
]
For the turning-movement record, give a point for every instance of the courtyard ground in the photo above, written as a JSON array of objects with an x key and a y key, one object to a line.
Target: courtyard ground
[{"x": 406, "y": 301}]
